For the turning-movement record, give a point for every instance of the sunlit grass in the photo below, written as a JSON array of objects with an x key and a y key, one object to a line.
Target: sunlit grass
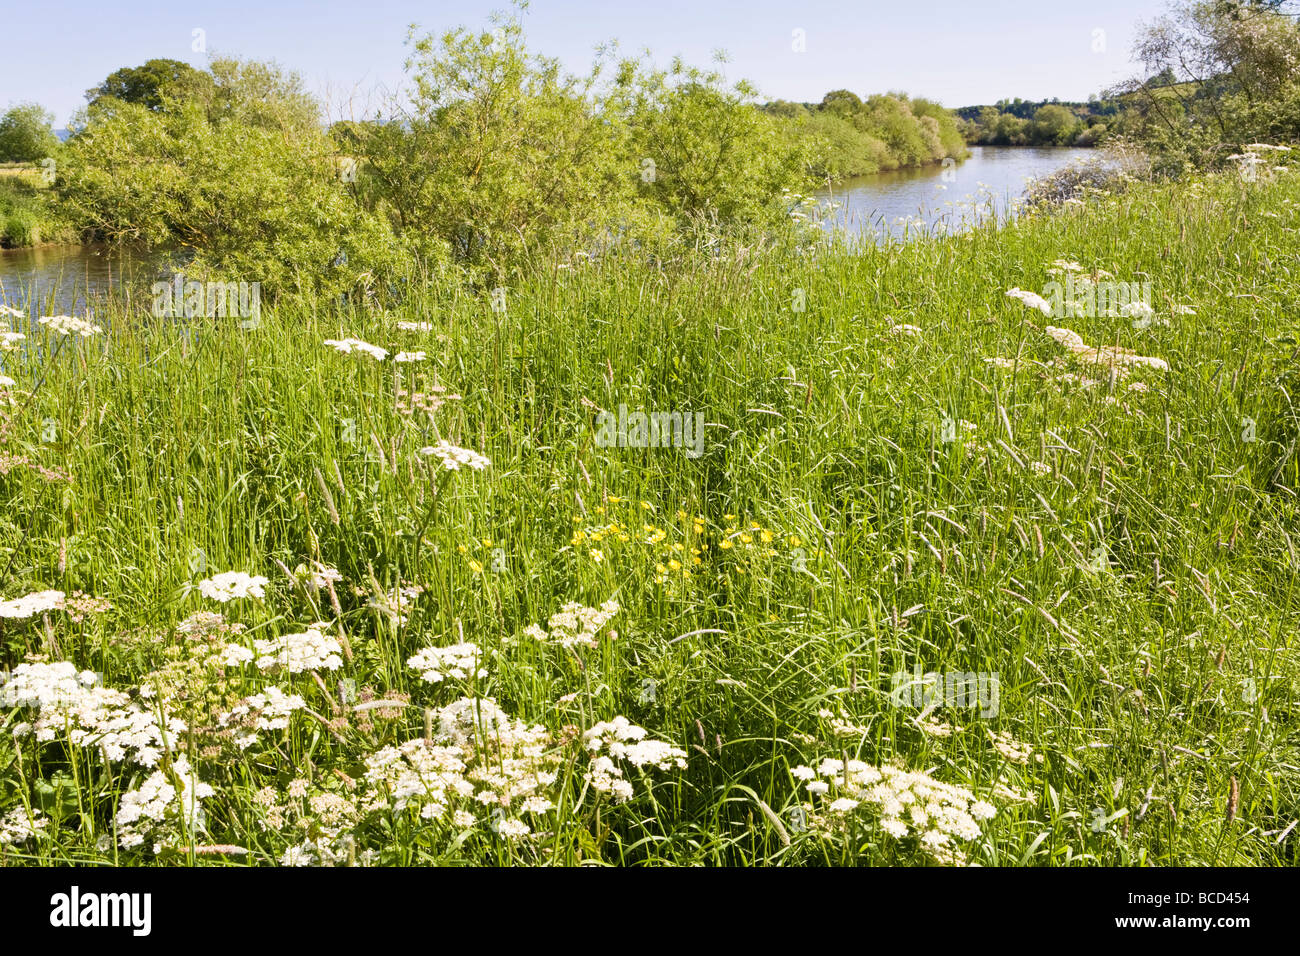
[{"x": 1117, "y": 553}]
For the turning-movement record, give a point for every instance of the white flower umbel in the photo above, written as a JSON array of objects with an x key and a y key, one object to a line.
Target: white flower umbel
[
  {"x": 38, "y": 602},
  {"x": 69, "y": 325},
  {"x": 311, "y": 650},
  {"x": 230, "y": 585},
  {"x": 459, "y": 661},
  {"x": 620, "y": 740},
  {"x": 70, "y": 702},
  {"x": 349, "y": 345},
  {"x": 453, "y": 458},
  {"x": 1031, "y": 300},
  {"x": 575, "y": 625}
]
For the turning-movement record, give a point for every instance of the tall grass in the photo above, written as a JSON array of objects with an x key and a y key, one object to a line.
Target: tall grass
[{"x": 1121, "y": 558}]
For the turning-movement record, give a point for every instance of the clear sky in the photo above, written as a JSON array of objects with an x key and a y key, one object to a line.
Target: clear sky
[{"x": 960, "y": 52}]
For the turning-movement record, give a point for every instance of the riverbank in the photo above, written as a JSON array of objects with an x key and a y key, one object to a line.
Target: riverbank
[
  {"x": 904, "y": 471},
  {"x": 27, "y": 214}
]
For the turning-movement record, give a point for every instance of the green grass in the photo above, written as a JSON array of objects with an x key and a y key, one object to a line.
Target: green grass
[
  {"x": 27, "y": 217},
  {"x": 1125, "y": 599}
]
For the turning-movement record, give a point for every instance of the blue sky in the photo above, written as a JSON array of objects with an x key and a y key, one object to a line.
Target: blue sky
[{"x": 956, "y": 51}]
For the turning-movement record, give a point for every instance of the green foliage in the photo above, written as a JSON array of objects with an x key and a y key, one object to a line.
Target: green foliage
[
  {"x": 1218, "y": 76},
  {"x": 242, "y": 180},
  {"x": 26, "y": 134},
  {"x": 846, "y": 136},
  {"x": 147, "y": 84}
]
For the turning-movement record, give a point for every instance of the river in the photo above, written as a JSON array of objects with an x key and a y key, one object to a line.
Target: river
[
  {"x": 903, "y": 202},
  {"x": 939, "y": 198}
]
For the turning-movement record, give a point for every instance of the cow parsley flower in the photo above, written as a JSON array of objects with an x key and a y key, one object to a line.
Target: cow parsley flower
[
  {"x": 357, "y": 345},
  {"x": 69, "y": 325},
  {"x": 309, "y": 651},
  {"x": 231, "y": 585},
  {"x": 452, "y": 457},
  {"x": 38, "y": 602},
  {"x": 1030, "y": 300},
  {"x": 458, "y": 661}
]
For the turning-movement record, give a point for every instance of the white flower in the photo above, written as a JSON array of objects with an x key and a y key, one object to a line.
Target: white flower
[
  {"x": 409, "y": 357},
  {"x": 457, "y": 661},
  {"x": 69, "y": 325},
  {"x": 357, "y": 345},
  {"x": 38, "y": 602},
  {"x": 311, "y": 650},
  {"x": 1031, "y": 300},
  {"x": 415, "y": 326},
  {"x": 453, "y": 457},
  {"x": 231, "y": 585}
]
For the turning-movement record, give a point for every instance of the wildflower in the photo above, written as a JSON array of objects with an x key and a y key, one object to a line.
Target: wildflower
[
  {"x": 69, "y": 325},
  {"x": 452, "y": 457},
  {"x": 415, "y": 326},
  {"x": 350, "y": 345},
  {"x": 575, "y": 625},
  {"x": 458, "y": 661},
  {"x": 409, "y": 357},
  {"x": 231, "y": 585},
  {"x": 19, "y": 827},
  {"x": 38, "y": 602},
  {"x": 1031, "y": 300},
  {"x": 311, "y": 650}
]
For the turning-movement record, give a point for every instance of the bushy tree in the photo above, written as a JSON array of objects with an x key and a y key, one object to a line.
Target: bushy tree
[
  {"x": 26, "y": 134},
  {"x": 148, "y": 83}
]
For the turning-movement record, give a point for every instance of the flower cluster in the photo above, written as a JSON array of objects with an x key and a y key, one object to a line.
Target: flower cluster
[
  {"x": 308, "y": 651},
  {"x": 575, "y": 625},
  {"x": 618, "y": 740},
  {"x": 269, "y": 710},
  {"x": 907, "y": 802},
  {"x": 91, "y": 715},
  {"x": 484, "y": 767},
  {"x": 356, "y": 345},
  {"x": 19, "y": 826},
  {"x": 231, "y": 585},
  {"x": 459, "y": 661},
  {"x": 69, "y": 325},
  {"x": 452, "y": 457},
  {"x": 166, "y": 805},
  {"x": 29, "y": 605}
]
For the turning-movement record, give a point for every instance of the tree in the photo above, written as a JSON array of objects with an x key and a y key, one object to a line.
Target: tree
[
  {"x": 147, "y": 84},
  {"x": 26, "y": 135}
]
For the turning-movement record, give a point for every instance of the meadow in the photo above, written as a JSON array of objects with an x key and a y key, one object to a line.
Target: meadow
[{"x": 273, "y": 601}]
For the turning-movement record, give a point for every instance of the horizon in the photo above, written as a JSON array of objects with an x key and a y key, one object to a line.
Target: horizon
[{"x": 348, "y": 54}]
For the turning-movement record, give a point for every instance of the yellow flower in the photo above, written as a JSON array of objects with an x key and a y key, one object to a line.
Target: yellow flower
[
  {"x": 746, "y": 538},
  {"x": 767, "y": 537},
  {"x": 487, "y": 542},
  {"x": 475, "y": 566},
  {"x": 675, "y": 565},
  {"x": 725, "y": 544},
  {"x": 698, "y": 529},
  {"x": 461, "y": 548}
]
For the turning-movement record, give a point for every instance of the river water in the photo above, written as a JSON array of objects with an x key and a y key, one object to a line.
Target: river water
[
  {"x": 942, "y": 198},
  {"x": 901, "y": 203}
]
